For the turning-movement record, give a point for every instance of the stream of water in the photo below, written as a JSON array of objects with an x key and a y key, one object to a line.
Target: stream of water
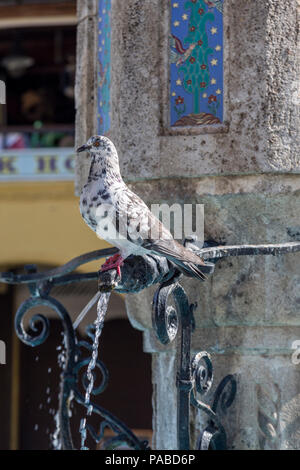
[{"x": 99, "y": 322}]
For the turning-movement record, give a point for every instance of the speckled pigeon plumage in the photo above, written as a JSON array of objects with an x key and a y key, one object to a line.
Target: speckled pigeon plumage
[{"x": 109, "y": 208}]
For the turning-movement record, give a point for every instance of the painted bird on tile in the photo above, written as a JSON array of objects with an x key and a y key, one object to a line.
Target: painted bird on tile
[
  {"x": 178, "y": 53},
  {"x": 120, "y": 217},
  {"x": 215, "y": 4}
]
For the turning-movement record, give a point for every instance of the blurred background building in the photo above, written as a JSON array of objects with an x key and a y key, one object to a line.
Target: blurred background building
[{"x": 40, "y": 223}]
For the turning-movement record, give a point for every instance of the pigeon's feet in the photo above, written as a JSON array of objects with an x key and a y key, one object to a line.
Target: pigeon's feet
[{"x": 114, "y": 262}]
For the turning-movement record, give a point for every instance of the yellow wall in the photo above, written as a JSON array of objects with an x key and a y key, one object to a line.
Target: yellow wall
[{"x": 41, "y": 223}]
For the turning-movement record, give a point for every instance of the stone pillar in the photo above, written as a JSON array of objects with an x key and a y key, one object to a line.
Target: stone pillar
[{"x": 245, "y": 172}]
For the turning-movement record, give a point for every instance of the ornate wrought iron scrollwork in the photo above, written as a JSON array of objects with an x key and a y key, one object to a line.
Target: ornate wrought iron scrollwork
[
  {"x": 195, "y": 376},
  {"x": 214, "y": 435},
  {"x": 40, "y": 285}
]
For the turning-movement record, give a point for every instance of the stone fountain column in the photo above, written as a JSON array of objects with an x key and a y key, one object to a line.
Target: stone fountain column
[{"x": 246, "y": 173}]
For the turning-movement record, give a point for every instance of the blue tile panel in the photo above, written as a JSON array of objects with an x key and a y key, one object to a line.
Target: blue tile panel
[
  {"x": 104, "y": 48},
  {"x": 196, "y": 62}
]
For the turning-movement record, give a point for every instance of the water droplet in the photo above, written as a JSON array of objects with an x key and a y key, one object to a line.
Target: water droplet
[{"x": 55, "y": 437}]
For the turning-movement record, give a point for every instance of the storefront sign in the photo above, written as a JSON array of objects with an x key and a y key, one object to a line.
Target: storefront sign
[{"x": 49, "y": 164}]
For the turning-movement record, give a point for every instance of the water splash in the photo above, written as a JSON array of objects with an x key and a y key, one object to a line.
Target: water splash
[
  {"x": 55, "y": 437},
  {"x": 99, "y": 322}
]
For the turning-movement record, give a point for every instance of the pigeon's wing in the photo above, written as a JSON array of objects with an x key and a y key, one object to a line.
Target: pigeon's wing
[
  {"x": 165, "y": 243},
  {"x": 187, "y": 261},
  {"x": 131, "y": 215},
  {"x": 145, "y": 230},
  {"x": 141, "y": 224}
]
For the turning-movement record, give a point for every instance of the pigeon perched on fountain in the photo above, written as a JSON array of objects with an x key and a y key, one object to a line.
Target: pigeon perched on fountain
[{"x": 120, "y": 217}]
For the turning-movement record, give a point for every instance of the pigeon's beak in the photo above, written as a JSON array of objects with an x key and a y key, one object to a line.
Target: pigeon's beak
[{"x": 83, "y": 148}]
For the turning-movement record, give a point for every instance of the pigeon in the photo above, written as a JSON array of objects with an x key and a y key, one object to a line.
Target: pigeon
[{"x": 120, "y": 217}]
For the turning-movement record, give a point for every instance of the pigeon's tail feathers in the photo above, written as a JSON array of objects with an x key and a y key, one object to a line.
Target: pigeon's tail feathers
[
  {"x": 188, "y": 262},
  {"x": 190, "y": 269}
]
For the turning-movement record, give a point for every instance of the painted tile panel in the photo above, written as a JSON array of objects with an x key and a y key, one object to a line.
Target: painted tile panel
[
  {"x": 104, "y": 58},
  {"x": 196, "y": 62}
]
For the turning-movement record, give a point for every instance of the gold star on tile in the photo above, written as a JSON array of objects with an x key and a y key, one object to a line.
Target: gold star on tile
[
  {"x": 214, "y": 62},
  {"x": 204, "y": 95},
  {"x": 213, "y": 81},
  {"x": 218, "y": 47},
  {"x": 213, "y": 30},
  {"x": 173, "y": 94},
  {"x": 178, "y": 82},
  {"x": 184, "y": 17},
  {"x": 218, "y": 91},
  {"x": 176, "y": 23},
  {"x": 175, "y": 5}
]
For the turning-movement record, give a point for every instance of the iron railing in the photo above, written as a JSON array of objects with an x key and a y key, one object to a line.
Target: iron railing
[{"x": 194, "y": 375}]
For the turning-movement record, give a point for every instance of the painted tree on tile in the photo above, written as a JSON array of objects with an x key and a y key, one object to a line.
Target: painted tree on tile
[{"x": 195, "y": 68}]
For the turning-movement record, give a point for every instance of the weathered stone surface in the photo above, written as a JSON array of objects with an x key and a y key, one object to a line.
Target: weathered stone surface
[
  {"x": 86, "y": 80},
  {"x": 164, "y": 411}
]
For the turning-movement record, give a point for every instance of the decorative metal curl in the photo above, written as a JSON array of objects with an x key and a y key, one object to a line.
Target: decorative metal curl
[
  {"x": 38, "y": 318},
  {"x": 214, "y": 435},
  {"x": 116, "y": 441},
  {"x": 100, "y": 366},
  {"x": 202, "y": 374},
  {"x": 165, "y": 318},
  {"x": 83, "y": 362}
]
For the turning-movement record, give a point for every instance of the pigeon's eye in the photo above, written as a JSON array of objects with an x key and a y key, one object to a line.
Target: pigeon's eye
[{"x": 96, "y": 144}]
